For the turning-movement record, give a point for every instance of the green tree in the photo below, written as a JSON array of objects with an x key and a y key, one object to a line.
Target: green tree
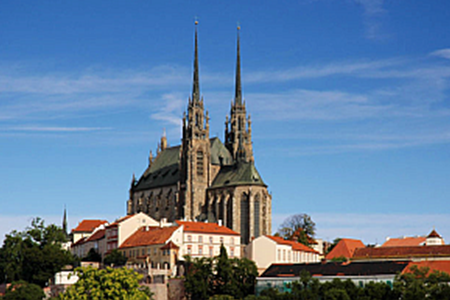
[
  {"x": 22, "y": 290},
  {"x": 298, "y": 227},
  {"x": 92, "y": 255},
  {"x": 115, "y": 258},
  {"x": 421, "y": 284},
  {"x": 34, "y": 255},
  {"x": 198, "y": 282},
  {"x": 223, "y": 277},
  {"x": 106, "y": 284}
]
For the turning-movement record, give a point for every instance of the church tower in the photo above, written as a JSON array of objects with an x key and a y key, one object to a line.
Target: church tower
[
  {"x": 195, "y": 150},
  {"x": 238, "y": 130}
]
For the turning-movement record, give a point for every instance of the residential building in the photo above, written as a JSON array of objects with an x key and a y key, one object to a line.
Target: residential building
[
  {"x": 205, "y": 239},
  {"x": 96, "y": 241},
  {"x": 204, "y": 179},
  {"x": 266, "y": 250},
  {"x": 154, "y": 248},
  {"x": 85, "y": 228},
  {"x": 344, "y": 249},
  {"x": 120, "y": 230}
]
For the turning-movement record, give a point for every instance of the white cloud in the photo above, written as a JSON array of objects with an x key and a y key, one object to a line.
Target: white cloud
[
  {"x": 373, "y": 227},
  {"x": 444, "y": 53}
]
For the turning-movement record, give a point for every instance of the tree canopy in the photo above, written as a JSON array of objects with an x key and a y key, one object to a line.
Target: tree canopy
[
  {"x": 34, "y": 255},
  {"x": 300, "y": 228},
  {"x": 221, "y": 277},
  {"x": 106, "y": 284},
  {"x": 22, "y": 290}
]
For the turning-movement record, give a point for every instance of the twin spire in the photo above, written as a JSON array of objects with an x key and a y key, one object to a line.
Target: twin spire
[{"x": 196, "y": 83}]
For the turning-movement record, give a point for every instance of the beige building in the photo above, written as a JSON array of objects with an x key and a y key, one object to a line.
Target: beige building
[
  {"x": 266, "y": 250},
  {"x": 205, "y": 239},
  {"x": 118, "y": 231},
  {"x": 204, "y": 179}
]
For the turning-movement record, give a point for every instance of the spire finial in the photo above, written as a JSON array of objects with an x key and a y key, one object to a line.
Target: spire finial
[
  {"x": 238, "y": 93},
  {"x": 196, "y": 85}
]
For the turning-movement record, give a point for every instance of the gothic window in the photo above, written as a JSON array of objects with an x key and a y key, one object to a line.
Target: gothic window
[
  {"x": 245, "y": 217},
  {"x": 200, "y": 166},
  {"x": 256, "y": 215}
]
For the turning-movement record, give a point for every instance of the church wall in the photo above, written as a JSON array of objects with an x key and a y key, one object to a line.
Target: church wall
[{"x": 158, "y": 203}]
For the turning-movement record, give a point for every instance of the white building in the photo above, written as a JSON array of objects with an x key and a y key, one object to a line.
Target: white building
[{"x": 266, "y": 250}]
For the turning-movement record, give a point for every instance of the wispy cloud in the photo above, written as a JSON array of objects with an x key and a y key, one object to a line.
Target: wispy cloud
[
  {"x": 373, "y": 227},
  {"x": 54, "y": 129},
  {"x": 444, "y": 53}
]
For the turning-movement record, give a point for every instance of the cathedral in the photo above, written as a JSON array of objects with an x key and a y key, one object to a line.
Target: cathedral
[{"x": 204, "y": 179}]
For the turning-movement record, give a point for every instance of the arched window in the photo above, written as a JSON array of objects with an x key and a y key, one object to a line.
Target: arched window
[{"x": 245, "y": 217}]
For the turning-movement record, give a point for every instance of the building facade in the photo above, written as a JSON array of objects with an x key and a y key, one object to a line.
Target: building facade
[{"x": 204, "y": 179}]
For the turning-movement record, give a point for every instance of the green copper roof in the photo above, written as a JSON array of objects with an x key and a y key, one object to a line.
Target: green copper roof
[
  {"x": 163, "y": 171},
  {"x": 241, "y": 173},
  {"x": 218, "y": 150}
]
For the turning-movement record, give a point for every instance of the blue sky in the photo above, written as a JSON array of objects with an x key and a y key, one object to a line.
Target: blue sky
[{"x": 349, "y": 99}]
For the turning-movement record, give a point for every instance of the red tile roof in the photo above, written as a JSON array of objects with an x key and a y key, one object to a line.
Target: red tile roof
[
  {"x": 200, "y": 227},
  {"x": 146, "y": 236},
  {"x": 345, "y": 248},
  {"x": 405, "y": 242},
  {"x": 295, "y": 245},
  {"x": 169, "y": 245},
  {"x": 402, "y": 252},
  {"x": 88, "y": 225},
  {"x": 434, "y": 234},
  {"x": 120, "y": 220},
  {"x": 99, "y": 234},
  {"x": 433, "y": 265}
]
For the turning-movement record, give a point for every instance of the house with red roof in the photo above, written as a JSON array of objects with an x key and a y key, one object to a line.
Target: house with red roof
[
  {"x": 267, "y": 249},
  {"x": 85, "y": 228},
  {"x": 154, "y": 248},
  {"x": 121, "y": 229},
  {"x": 204, "y": 239},
  {"x": 344, "y": 249}
]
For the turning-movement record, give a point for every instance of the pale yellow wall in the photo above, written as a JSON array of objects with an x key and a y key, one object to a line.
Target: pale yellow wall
[{"x": 129, "y": 226}]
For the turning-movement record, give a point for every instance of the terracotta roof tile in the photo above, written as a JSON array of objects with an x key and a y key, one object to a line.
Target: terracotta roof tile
[
  {"x": 433, "y": 265},
  {"x": 434, "y": 234},
  {"x": 120, "y": 220},
  {"x": 88, "y": 225},
  {"x": 402, "y": 252},
  {"x": 99, "y": 234},
  {"x": 404, "y": 242},
  {"x": 295, "y": 245},
  {"x": 146, "y": 236},
  {"x": 345, "y": 248},
  {"x": 200, "y": 227}
]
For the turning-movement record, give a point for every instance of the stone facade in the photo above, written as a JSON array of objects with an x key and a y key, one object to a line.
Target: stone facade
[{"x": 203, "y": 179}]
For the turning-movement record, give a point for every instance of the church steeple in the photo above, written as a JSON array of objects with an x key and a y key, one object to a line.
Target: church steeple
[
  {"x": 196, "y": 83},
  {"x": 238, "y": 137},
  {"x": 238, "y": 91}
]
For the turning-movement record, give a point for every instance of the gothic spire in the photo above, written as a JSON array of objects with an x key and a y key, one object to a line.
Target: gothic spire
[
  {"x": 196, "y": 84},
  {"x": 238, "y": 94},
  {"x": 64, "y": 222}
]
